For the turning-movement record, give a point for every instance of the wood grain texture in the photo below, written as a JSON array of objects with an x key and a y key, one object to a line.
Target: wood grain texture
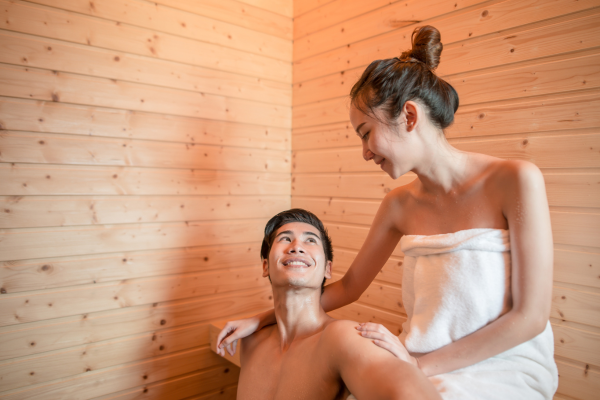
[
  {"x": 38, "y": 84},
  {"x": 60, "y": 333},
  {"x": 74, "y": 27},
  {"x": 51, "y": 117},
  {"x": 40, "y": 211},
  {"x": 44, "y": 148},
  {"x": 161, "y": 18},
  {"x": 32, "y": 51}
]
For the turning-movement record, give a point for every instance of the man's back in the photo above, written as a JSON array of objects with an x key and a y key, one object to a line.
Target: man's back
[{"x": 303, "y": 371}]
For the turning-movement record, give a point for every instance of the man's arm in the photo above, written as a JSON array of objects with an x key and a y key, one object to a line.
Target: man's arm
[{"x": 371, "y": 372}]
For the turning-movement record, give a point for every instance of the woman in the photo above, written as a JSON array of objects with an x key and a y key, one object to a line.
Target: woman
[{"x": 476, "y": 235}]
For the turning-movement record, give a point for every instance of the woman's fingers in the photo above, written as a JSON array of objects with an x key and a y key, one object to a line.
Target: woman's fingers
[
  {"x": 389, "y": 347},
  {"x": 370, "y": 326}
]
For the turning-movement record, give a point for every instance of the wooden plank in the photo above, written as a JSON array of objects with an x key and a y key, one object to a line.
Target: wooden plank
[
  {"x": 56, "y": 303},
  {"x": 362, "y": 313},
  {"x": 102, "y": 382},
  {"x": 567, "y": 34},
  {"x": 563, "y": 189},
  {"x": 26, "y": 243},
  {"x": 381, "y": 296},
  {"x": 454, "y": 27},
  {"x": 42, "y": 211},
  {"x": 159, "y": 18},
  {"x": 48, "y": 273},
  {"x": 237, "y": 13},
  {"x": 340, "y": 209},
  {"x": 60, "y": 364},
  {"x": 52, "y": 148},
  {"x": 578, "y": 229},
  {"x": 544, "y": 77},
  {"x": 25, "y": 82},
  {"x": 32, "y": 51},
  {"x": 345, "y": 22},
  {"x": 576, "y": 344},
  {"x": 44, "y": 116},
  {"x": 73, "y": 27},
  {"x": 281, "y": 7},
  {"x": 576, "y": 267},
  {"x": 24, "y": 179},
  {"x": 576, "y": 306},
  {"x": 182, "y": 387},
  {"x": 390, "y": 273},
  {"x": 564, "y": 151},
  {"x": 48, "y": 335},
  {"x": 561, "y": 112},
  {"x": 578, "y": 382}
]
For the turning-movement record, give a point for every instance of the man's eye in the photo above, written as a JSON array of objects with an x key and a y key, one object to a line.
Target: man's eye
[
  {"x": 286, "y": 238},
  {"x": 312, "y": 240}
]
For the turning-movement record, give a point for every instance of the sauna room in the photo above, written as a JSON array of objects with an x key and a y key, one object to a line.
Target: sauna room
[{"x": 144, "y": 146}]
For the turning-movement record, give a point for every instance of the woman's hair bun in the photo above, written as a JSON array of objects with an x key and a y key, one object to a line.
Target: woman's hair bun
[{"x": 426, "y": 46}]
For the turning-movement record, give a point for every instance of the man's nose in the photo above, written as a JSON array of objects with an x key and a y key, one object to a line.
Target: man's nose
[
  {"x": 296, "y": 247},
  {"x": 367, "y": 154}
]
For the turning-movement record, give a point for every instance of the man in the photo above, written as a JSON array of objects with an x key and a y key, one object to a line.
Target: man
[{"x": 307, "y": 354}]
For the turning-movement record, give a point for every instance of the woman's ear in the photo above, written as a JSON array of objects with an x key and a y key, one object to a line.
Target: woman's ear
[
  {"x": 265, "y": 268},
  {"x": 411, "y": 113}
]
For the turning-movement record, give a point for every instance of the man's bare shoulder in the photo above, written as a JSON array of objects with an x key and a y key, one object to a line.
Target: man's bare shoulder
[
  {"x": 340, "y": 333},
  {"x": 259, "y": 338}
]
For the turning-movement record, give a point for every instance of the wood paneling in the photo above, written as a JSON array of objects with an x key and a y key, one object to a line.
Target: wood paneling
[{"x": 143, "y": 146}]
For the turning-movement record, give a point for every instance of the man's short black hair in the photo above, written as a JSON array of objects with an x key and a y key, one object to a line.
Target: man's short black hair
[{"x": 295, "y": 215}]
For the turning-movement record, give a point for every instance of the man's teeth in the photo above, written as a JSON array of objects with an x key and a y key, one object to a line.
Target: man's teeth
[{"x": 296, "y": 263}]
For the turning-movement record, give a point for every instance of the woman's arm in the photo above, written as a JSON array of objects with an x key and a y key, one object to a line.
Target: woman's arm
[
  {"x": 525, "y": 207},
  {"x": 381, "y": 241}
]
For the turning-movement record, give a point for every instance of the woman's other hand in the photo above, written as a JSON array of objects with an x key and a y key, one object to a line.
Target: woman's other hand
[
  {"x": 233, "y": 331},
  {"x": 385, "y": 339}
]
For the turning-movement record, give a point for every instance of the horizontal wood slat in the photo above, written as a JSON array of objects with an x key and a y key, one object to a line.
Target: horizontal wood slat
[
  {"x": 363, "y": 313},
  {"x": 159, "y": 18},
  {"x": 181, "y": 387},
  {"x": 42, "y": 211},
  {"x": 380, "y": 295},
  {"x": 454, "y": 27},
  {"x": 63, "y": 302},
  {"x": 563, "y": 189},
  {"x": 48, "y": 335},
  {"x": 47, "y": 273},
  {"x": 347, "y": 22},
  {"x": 577, "y": 382},
  {"x": 390, "y": 273},
  {"x": 102, "y": 382},
  {"x": 564, "y": 151},
  {"x": 580, "y": 268},
  {"x": 576, "y": 306},
  {"x": 44, "y": 116},
  {"x": 51, "y": 148},
  {"x": 576, "y": 344},
  {"x": 25, "y": 179},
  {"x": 243, "y": 14},
  {"x": 26, "y": 243},
  {"x": 573, "y": 72},
  {"x": 65, "y": 87},
  {"x": 73, "y": 27},
  {"x": 32, "y": 51}
]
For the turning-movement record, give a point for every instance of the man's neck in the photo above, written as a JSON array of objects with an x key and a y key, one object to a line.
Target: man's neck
[{"x": 299, "y": 313}]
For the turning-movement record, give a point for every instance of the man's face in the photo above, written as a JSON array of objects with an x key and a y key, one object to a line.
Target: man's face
[{"x": 297, "y": 257}]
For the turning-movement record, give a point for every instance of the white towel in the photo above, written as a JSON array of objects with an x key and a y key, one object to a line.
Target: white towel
[{"x": 454, "y": 284}]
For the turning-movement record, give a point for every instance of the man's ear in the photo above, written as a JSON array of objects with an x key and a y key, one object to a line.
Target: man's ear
[
  {"x": 265, "y": 268},
  {"x": 328, "y": 270},
  {"x": 411, "y": 113}
]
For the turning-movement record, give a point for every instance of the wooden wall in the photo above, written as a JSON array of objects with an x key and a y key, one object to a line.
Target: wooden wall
[
  {"x": 528, "y": 76},
  {"x": 143, "y": 146}
]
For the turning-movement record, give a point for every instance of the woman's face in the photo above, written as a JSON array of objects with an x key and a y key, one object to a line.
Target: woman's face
[{"x": 387, "y": 146}]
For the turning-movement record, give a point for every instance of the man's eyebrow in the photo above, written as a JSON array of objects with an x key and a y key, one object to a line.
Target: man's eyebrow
[
  {"x": 358, "y": 128},
  {"x": 290, "y": 232}
]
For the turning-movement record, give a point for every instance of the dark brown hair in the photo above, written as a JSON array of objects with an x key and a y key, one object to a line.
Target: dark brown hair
[{"x": 388, "y": 84}]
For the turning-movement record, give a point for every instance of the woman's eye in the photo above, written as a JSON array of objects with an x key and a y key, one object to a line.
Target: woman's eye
[{"x": 366, "y": 135}]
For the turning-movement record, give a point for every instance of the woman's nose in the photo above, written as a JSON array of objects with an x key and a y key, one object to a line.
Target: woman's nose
[{"x": 367, "y": 154}]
